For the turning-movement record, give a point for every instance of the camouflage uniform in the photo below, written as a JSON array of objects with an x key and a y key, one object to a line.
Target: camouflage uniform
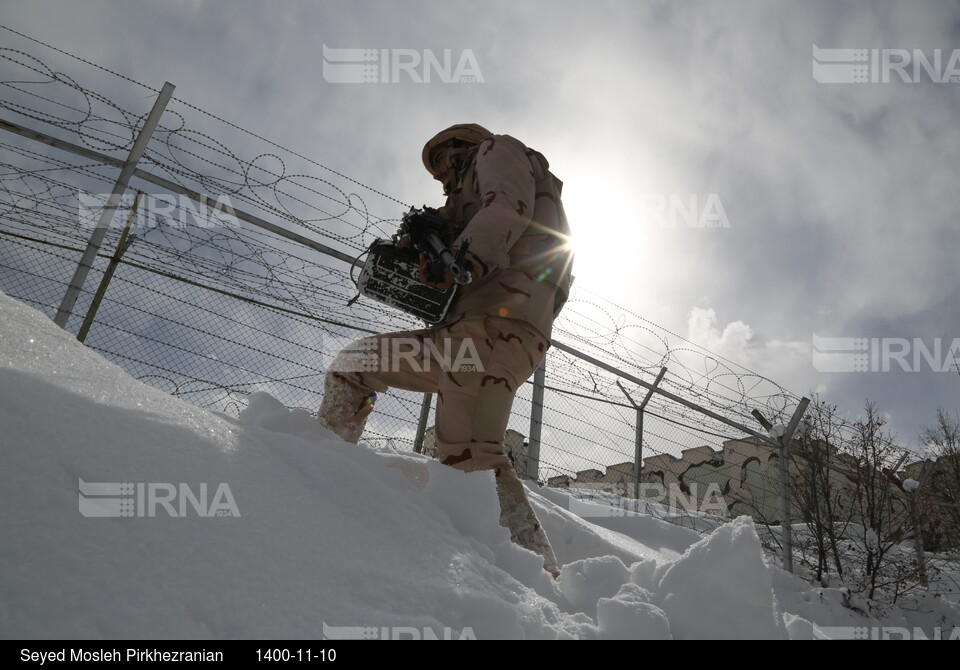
[{"x": 502, "y": 197}]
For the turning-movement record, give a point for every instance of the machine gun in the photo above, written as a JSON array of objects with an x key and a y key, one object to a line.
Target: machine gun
[
  {"x": 424, "y": 227},
  {"x": 391, "y": 272}
]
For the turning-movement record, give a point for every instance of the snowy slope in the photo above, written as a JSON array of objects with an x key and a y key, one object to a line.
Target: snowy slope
[{"x": 314, "y": 534}]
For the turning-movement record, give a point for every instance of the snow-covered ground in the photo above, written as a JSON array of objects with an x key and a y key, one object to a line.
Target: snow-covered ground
[{"x": 268, "y": 526}]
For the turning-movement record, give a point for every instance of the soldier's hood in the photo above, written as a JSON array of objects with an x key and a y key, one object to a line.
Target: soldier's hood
[{"x": 467, "y": 132}]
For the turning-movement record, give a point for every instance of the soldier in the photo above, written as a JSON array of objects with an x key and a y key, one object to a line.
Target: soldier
[{"x": 502, "y": 197}]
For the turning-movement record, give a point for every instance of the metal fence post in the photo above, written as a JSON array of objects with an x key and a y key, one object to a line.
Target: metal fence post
[
  {"x": 122, "y": 246},
  {"x": 638, "y": 430},
  {"x": 536, "y": 421},
  {"x": 917, "y": 527},
  {"x": 106, "y": 215},
  {"x": 422, "y": 423},
  {"x": 786, "y": 519}
]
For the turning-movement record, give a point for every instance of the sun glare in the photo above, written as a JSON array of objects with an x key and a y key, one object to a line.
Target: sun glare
[{"x": 605, "y": 232}]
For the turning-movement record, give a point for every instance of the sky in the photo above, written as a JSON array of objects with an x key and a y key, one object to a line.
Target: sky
[{"x": 832, "y": 208}]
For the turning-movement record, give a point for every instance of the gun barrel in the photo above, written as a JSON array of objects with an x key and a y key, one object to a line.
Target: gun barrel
[
  {"x": 460, "y": 274},
  {"x": 440, "y": 251},
  {"x": 423, "y": 228}
]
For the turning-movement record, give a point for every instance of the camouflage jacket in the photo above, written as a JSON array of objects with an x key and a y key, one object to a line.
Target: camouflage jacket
[{"x": 507, "y": 203}]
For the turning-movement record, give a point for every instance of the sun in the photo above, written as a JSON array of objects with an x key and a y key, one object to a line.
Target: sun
[{"x": 604, "y": 232}]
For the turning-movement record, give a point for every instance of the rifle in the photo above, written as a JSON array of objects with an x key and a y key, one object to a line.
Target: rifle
[{"x": 424, "y": 226}]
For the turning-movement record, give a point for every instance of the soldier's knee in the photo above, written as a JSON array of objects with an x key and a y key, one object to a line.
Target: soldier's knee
[{"x": 472, "y": 456}]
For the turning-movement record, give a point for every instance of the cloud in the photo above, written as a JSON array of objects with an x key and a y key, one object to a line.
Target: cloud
[
  {"x": 787, "y": 362},
  {"x": 733, "y": 341}
]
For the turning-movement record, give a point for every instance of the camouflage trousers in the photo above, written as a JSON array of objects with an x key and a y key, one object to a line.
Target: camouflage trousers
[{"x": 475, "y": 366}]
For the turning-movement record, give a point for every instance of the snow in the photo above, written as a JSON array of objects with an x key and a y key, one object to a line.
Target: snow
[
  {"x": 632, "y": 615},
  {"x": 585, "y": 582},
  {"x": 911, "y": 485},
  {"x": 327, "y": 537},
  {"x": 700, "y": 606}
]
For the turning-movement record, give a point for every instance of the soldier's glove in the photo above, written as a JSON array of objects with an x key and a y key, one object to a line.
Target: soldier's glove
[{"x": 424, "y": 269}]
